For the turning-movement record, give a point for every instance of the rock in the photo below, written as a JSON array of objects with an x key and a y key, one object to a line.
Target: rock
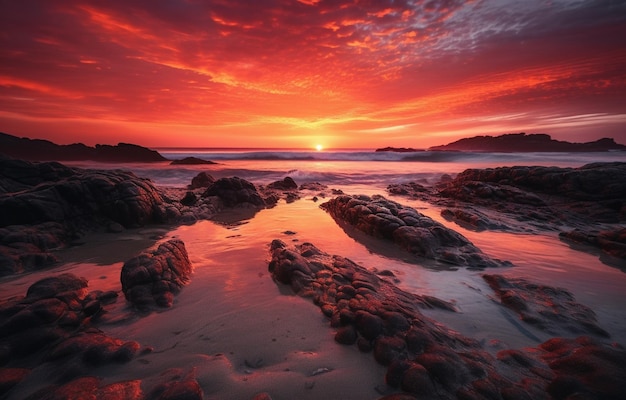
[
  {"x": 191, "y": 161},
  {"x": 286, "y": 184},
  {"x": 527, "y": 199},
  {"x": 610, "y": 241},
  {"x": 177, "y": 386},
  {"x": 42, "y": 192},
  {"x": 545, "y": 307},
  {"x": 10, "y": 377},
  {"x": 202, "y": 180},
  {"x": 235, "y": 192},
  {"x": 189, "y": 200},
  {"x": 154, "y": 278},
  {"x": 56, "y": 286},
  {"x": 43, "y": 150},
  {"x": 90, "y": 387},
  {"x": 424, "y": 357},
  {"x": 408, "y": 228}
]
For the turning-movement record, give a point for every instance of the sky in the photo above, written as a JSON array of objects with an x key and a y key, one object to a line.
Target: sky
[{"x": 298, "y": 73}]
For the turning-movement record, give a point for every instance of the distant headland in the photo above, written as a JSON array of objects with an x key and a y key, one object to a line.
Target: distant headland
[
  {"x": 522, "y": 142},
  {"x": 44, "y": 150},
  {"x": 517, "y": 143}
]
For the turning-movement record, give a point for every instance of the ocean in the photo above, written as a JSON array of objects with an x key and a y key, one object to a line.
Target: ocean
[
  {"x": 233, "y": 315},
  {"x": 363, "y": 167}
]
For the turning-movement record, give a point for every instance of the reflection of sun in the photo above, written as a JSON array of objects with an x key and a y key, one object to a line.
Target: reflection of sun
[{"x": 319, "y": 147}]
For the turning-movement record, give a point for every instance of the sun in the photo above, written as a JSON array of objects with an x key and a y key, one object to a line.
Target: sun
[{"x": 319, "y": 147}]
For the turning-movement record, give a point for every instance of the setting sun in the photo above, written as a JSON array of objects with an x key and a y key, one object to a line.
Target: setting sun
[{"x": 319, "y": 147}]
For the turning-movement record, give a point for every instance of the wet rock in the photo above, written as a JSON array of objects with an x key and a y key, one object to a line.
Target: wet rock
[
  {"x": 10, "y": 377},
  {"x": 610, "y": 241},
  {"x": 202, "y": 180},
  {"x": 90, "y": 387},
  {"x": 177, "y": 385},
  {"x": 286, "y": 184},
  {"x": 408, "y": 228},
  {"x": 586, "y": 368},
  {"x": 530, "y": 198},
  {"x": 154, "y": 278},
  {"x": 427, "y": 359},
  {"x": 55, "y": 286},
  {"x": 235, "y": 192},
  {"x": 34, "y": 193},
  {"x": 545, "y": 307},
  {"x": 189, "y": 200}
]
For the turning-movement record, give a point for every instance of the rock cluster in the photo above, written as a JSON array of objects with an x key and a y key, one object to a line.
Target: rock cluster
[
  {"x": 428, "y": 360},
  {"x": 44, "y": 205},
  {"x": 155, "y": 277},
  {"x": 592, "y": 199},
  {"x": 53, "y": 324},
  {"x": 545, "y": 307},
  {"x": 52, "y": 333},
  {"x": 408, "y": 228}
]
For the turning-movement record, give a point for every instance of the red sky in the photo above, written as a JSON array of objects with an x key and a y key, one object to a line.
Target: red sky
[{"x": 295, "y": 73}]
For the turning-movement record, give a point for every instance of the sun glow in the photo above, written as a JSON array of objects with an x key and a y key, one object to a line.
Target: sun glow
[{"x": 319, "y": 147}]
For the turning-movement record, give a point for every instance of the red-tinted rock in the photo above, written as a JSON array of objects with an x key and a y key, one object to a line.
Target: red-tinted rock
[{"x": 154, "y": 278}]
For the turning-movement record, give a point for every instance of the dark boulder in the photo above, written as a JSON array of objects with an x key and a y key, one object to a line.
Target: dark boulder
[
  {"x": 235, "y": 192},
  {"x": 202, "y": 180},
  {"x": 154, "y": 278},
  {"x": 286, "y": 184}
]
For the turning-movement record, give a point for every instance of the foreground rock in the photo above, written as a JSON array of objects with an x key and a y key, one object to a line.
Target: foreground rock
[
  {"x": 53, "y": 324},
  {"x": 427, "y": 359},
  {"x": 548, "y": 308},
  {"x": 43, "y": 150},
  {"x": 408, "y": 228},
  {"x": 154, "y": 278},
  {"x": 49, "y": 339}
]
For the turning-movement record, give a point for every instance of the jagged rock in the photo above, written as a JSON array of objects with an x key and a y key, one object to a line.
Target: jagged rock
[
  {"x": 235, "y": 192},
  {"x": 408, "y": 228},
  {"x": 154, "y": 278},
  {"x": 545, "y": 307}
]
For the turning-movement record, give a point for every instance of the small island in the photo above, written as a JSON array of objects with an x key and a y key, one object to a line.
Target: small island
[{"x": 522, "y": 142}]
